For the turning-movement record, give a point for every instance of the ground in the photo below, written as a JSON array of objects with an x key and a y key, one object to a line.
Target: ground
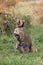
[{"x": 8, "y": 55}]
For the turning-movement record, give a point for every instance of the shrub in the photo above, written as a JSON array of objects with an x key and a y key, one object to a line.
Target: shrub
[{"x": 9, "y": 26}]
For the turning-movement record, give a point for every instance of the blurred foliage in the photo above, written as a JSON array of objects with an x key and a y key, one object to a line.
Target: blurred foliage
[
  {"x": 0, "y": 31},
  {"x": 27, "y": 21},
  {"x": 7, "y": 27}
]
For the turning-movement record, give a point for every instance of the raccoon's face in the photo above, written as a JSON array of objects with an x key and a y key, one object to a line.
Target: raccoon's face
[{"x": 20, "y": 23}]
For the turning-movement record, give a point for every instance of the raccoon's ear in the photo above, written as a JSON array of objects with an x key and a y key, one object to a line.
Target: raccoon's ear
[{"x": 23, "y": 21}]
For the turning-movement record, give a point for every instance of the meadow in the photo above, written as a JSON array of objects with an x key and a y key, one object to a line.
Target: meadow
[{"x": 8, "y": 55}]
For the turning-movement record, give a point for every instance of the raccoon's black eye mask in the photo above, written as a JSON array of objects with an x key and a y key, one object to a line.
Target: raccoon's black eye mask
[{"x": 16, "y": 34}]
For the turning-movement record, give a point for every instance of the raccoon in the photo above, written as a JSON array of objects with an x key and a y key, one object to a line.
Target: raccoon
[{"x": 24, "y": 41}]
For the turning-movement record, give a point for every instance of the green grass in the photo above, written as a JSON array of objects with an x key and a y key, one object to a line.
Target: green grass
[{"x": 8, "y": 55}]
